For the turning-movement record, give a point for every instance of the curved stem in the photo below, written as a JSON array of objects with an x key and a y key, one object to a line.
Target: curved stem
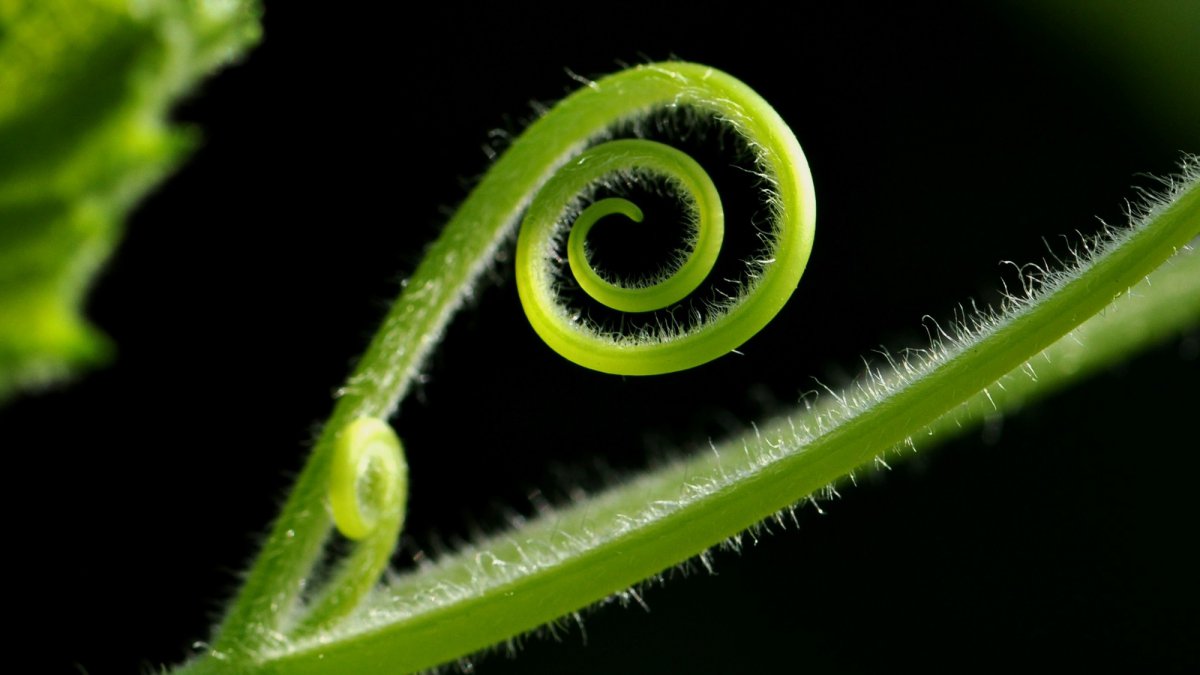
[
  {"x": 554, "y": 566},
  {"x": 257, "y": 620},
  {"x": 578, "y": 555},
  {"x": 581, "y": 554}
]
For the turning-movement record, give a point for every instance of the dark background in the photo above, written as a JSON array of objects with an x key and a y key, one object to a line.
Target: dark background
[{"x": 942, "y": 140}]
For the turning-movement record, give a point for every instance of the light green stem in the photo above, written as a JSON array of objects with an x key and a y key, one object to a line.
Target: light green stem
[
  {"x": 260, "y": 616},
  {"x": 579, "y": 555}
]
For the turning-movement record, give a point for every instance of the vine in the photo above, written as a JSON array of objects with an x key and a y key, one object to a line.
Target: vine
[
  {"x": 270, "y": 609},
  {"x": 284, "y": 620}
]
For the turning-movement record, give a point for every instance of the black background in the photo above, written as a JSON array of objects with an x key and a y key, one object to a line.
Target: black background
[{"x": 942, "y": 141}]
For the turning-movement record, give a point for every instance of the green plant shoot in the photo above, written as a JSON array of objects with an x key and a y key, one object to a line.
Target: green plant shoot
[{"x": 554, "y": 565}]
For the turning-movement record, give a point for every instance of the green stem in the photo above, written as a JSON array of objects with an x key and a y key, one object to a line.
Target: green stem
[
  {"x": 581, "y": 554},
  {"x": 260, "y": 616}
]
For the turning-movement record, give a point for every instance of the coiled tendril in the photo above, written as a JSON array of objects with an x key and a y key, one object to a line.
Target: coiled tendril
[
  {"x": 773, "y": 277},
  {"x": 367, "y": 491},
  {"x": 368, "y": 481},
  {"x": 357, "y": 468}
]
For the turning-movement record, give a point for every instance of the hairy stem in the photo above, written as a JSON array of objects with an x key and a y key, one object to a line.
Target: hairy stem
[
  {"x": 580, "y": 554},
  {"x": 263, "y": 612}
]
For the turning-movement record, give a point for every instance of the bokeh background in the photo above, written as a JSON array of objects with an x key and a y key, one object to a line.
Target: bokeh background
[{"x": 943, "y": 139}]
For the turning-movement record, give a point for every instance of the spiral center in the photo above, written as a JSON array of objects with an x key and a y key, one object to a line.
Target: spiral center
[
  {"x": 632, "y": 254},
  {"x": 368, "y": 477}
]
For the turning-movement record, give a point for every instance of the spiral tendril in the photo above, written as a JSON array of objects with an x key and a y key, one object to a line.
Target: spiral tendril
[
  {"x": 368, "y": 479},
  {"x": 771, "y": 278},
  {"x": 550, "y": 173},
  {"x": 367, "y": 491}
]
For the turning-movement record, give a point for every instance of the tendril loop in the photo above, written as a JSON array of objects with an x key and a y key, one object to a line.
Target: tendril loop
[
  {"x": 769, "y": 281},
  {"x": 366, "y": 492},
  {"x": 704, "y": 208},
  {"x": 368, "y": 480}
]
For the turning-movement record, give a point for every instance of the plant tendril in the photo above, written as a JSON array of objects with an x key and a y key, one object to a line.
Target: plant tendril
[
  {"x": 555, "y": 565},
  {"x": 729, "y": 323},
  {"x": 368, "y": 487},
  {"x": 368, "y": 479},
  {"x": 707, "y": 232},
  {"x": 357, "y": 469}
]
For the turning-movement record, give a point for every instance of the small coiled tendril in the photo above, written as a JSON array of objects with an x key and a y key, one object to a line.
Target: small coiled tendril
[
  {"x": 773, "y": 277},
  {"x": 368, "y": 481},
  {"x": 367, "y": 493}
]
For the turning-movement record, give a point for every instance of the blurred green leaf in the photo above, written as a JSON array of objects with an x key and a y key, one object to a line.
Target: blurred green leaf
[{"x": 85, "y": 87}]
